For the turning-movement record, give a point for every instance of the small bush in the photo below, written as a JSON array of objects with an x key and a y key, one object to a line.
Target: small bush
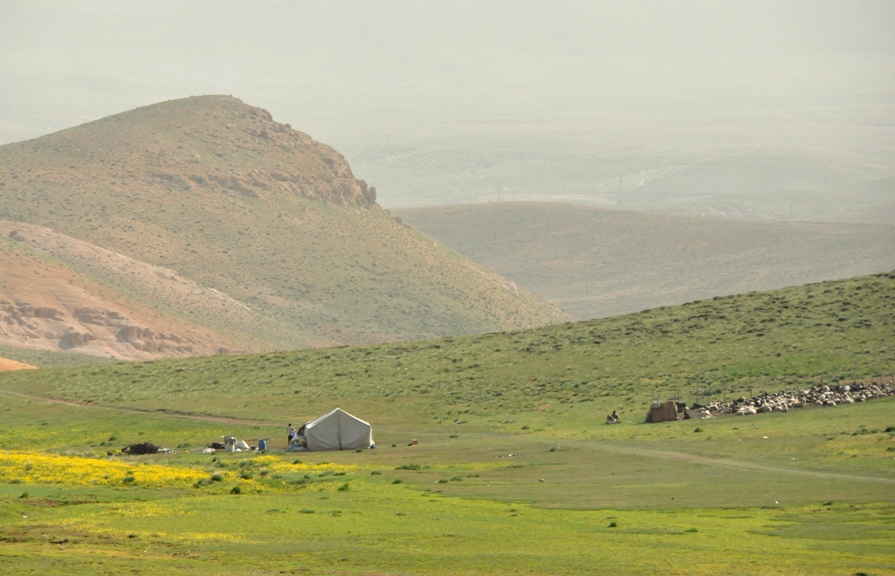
[
  {"x": 396, "y": 481},
  {"x": 613, "y": 524},
  {"x": 691, "y": 530},
  {"x": 217, "y": 477},
  {"x": 697, "y": 429},
  {"x": 236, "y": 490},
  {"x": 23, "y": 495},
  {"x": 344, "y": 487}
]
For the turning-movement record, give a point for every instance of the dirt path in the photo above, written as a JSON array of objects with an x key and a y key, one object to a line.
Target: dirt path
[
  {"x": 652, "y": 453},
  {"x": 146, "y": 411}
]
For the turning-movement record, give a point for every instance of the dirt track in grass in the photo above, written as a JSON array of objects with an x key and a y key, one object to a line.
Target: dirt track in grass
[
  {"x": 724, "y": 462},
  {"x": 158, "y": 412}
]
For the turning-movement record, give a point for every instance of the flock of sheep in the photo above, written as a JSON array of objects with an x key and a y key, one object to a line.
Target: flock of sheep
[{"x": 815, "y": 396}]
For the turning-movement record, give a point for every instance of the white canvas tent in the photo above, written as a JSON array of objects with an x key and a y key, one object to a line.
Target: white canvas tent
[{"x": 338, "y": 430}]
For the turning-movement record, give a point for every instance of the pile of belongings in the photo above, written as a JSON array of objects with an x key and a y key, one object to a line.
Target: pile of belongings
[
  {"x": 230, "y": 444},
  {"x": 145, "y": 448}
]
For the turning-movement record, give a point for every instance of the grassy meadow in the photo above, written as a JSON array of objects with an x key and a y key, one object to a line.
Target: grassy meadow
[{"x": 513, "y": 471}]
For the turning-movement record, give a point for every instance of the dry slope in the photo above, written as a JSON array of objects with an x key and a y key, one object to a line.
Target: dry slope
[
  {"x": 595, "y": 262},
  {"x": 256, "y": 231},
  {"x": 47, "y": 305}
]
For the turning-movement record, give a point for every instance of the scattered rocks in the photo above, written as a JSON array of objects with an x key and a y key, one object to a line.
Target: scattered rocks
[
  {"x": 148, "y": 340},
  {"x": 25, "y": 310},
  {"x": 75, "y": 340}
]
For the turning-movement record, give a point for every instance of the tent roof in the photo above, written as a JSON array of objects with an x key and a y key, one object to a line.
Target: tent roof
[{"x": 338, "y": 430}]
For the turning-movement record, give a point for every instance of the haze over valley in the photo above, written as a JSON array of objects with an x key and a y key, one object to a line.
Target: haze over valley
[
  {"x": 758, "y": 110},
  {"x": 595, "y": 262},
  {"x": 692, "y": 114}
]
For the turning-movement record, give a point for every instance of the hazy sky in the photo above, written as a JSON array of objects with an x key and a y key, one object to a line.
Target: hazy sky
[
  {"x": 91, "y": 58},
  {"x": 351, "y": 71}
]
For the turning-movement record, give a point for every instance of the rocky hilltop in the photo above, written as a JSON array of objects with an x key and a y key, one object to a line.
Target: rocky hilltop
[
  {"x": 208, "y": 143},
  {"x": 206, "y": 215}
]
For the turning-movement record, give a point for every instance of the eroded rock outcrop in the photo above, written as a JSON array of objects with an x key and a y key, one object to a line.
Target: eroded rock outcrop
[{"x": 148, "y": 340}]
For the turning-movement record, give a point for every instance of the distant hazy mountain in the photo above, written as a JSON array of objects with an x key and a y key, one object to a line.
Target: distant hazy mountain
[
  {"x": 595, "y": 262},
  {"x": 201, "y": 224}
]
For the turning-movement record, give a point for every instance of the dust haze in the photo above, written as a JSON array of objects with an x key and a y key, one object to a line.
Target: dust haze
[{"x": 760, "y": 109}]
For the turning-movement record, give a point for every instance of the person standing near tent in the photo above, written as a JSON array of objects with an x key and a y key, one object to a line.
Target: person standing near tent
[{"x": 292, "y": 434}]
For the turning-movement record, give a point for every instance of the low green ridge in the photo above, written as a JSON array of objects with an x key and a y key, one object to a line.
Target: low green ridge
[{"x": 765, "y": 341}]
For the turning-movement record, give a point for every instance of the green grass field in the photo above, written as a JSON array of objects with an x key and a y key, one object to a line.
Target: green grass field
[{"x": 513, "y": 472}]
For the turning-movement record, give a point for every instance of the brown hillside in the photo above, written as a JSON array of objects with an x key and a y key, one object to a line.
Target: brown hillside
[
  {"x": 44, "y": 305},
  {"x": 596, "y": 262},
  {"x": 7, "y": 365},
  {"x": 215, "y": 194}
]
